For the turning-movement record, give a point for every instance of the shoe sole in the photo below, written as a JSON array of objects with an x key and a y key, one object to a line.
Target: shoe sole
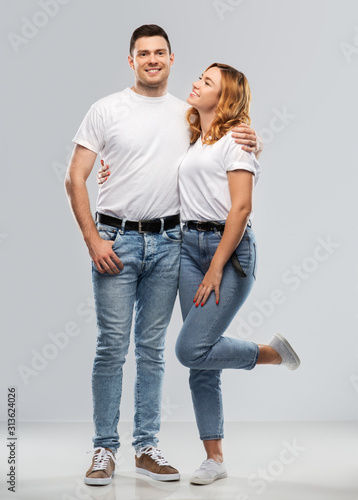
[
  {"x": 158, "y": 477},
  {"x": 290, "y": 349},
  {"x": 98, "y": 481},
  {"x": 197, "y": 480}
]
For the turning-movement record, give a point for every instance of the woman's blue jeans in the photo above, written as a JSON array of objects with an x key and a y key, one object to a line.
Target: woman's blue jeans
[
  {"x": 201, "y": 345},
  {"x": 149, "y": 281}
]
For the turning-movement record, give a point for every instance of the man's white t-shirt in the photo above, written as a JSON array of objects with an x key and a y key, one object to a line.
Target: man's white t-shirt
[
  {"x": 143, "y": 140},
  {"x": 203, "y": 180}
]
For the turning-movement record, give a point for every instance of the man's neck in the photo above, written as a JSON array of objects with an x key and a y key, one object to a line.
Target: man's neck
[{"x": 159, "y": 91}]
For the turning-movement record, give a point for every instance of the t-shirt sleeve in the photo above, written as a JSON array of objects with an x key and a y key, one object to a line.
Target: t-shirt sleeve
[
  {"x": 237, "y": 159},
  {"x": 91, "y": 133}
]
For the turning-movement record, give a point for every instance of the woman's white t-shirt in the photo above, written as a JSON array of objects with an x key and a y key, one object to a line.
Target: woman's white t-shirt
[{"x": 203, "y": 181}]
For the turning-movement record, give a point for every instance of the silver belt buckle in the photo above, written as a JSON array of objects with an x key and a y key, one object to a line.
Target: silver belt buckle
[
  {"x": 140, "y": 230},
  {"x": 198, "y": 224}
]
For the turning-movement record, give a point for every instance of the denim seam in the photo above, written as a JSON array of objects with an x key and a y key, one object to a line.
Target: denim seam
[
  {"x": 211, "y": 436},
  {"x": 219, "y": 406},
  {"x": 256, "y": 357}
]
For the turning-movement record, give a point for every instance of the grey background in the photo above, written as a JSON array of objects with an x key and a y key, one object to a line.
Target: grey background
[{"x": 299, "y": 56}]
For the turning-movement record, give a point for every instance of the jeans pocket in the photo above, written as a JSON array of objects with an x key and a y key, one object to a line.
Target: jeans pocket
[
  {"x": 108, "y": 233},
  {"x": 173, "y": 235}
]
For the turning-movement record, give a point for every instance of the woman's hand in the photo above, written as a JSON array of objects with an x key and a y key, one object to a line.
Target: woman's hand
[
  {"x": 103, "y": 173},
  {"x": 211, "y": 282}
]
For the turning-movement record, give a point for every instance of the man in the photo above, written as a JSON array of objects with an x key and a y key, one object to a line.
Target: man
[{"x": 134, "y": 245}]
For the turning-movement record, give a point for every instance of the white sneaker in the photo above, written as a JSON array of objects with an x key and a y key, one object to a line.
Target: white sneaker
[
  {"x": 285, "y": 350},
  {"x": 208, "y": 472}
]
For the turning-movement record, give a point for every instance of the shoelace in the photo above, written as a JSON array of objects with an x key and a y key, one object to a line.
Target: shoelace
[
  {"x": 101, "y": 458},
  {"x": 155, "y": 454},
  {"x": 205, "y": 465}
]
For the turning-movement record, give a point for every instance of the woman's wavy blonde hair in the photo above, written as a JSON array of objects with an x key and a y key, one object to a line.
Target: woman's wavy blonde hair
[{"x": 233, "y": 106}]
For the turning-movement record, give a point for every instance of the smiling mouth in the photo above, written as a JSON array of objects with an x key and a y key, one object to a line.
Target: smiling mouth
[
  {"x": 153, "y": 71},
  {"x": 194, "y": 94}
]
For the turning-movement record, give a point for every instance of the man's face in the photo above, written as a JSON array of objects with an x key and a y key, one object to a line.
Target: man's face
[{"x": 151, "y": 61}]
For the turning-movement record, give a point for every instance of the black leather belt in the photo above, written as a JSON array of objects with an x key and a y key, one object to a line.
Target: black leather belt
[
  {"x": 205, "y": 226},
  {"x": 142, "y": 226}
]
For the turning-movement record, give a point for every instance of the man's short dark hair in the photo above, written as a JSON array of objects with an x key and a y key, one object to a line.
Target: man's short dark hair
[{"x": 148, "y": 30}]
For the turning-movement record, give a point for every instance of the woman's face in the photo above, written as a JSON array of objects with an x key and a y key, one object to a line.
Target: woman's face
[{"x": 206, "y": 91}]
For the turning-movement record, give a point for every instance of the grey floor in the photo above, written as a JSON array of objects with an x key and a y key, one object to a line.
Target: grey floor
[{"x": 265, "y": 460}]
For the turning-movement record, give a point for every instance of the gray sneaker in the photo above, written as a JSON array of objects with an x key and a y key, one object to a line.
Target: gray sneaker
[
  {"x": 288, "y": 355},
  {"x": 208, "y": 472}
]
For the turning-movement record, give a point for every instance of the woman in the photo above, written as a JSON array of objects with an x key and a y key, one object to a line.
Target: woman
[{"x": 216, "y": 181}]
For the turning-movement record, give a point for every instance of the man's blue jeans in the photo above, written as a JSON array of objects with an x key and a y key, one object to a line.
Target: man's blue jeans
[
  {"x": 201, "y": 345},
  {"x": 149, "y": 281}
]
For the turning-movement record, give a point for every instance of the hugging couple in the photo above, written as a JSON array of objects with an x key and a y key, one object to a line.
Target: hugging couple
[{"x": 174, "y": 210}]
